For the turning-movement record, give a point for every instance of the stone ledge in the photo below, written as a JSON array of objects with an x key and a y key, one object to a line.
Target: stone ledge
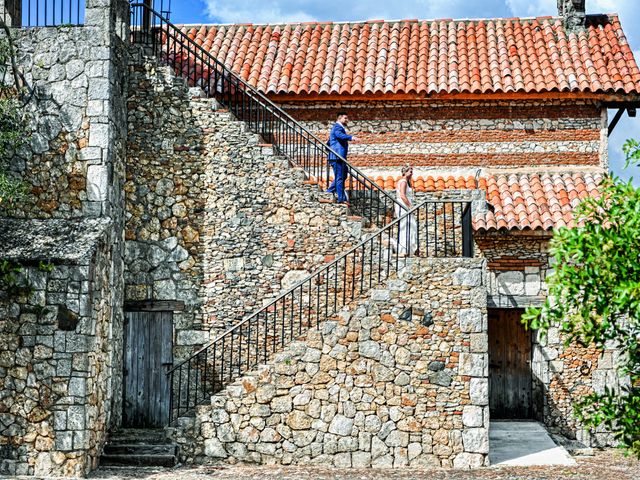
[
  {"x": 52, "y": 240},
  {"x": 514, "y": 301}
]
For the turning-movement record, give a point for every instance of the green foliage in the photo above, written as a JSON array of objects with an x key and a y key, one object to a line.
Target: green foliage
[
  {"x": 45, "y": 266},
  {"x": 13, "y": 127},
  {"x": 5, "y": 52},
  {"x": 13, "y": 133},
  {"x": 631, "y": 149},
  {"x": 14, "y": 282},
  {"x": 12, "y": 192},
  {"x": 594, "y": 296},
  {"x": 12, "y": 279}
]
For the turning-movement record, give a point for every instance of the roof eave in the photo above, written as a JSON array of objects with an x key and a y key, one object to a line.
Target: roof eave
[
  {"x": 615, "y": 99},
  {"x": 522, "y": 232}
]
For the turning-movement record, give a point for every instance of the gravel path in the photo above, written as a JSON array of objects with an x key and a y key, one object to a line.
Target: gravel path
[{"x": 605, "y": 465}]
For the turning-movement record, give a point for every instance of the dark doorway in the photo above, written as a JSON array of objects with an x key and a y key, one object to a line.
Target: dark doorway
[
  {"x": 148, "y": 341},
  {"x": 509, "y": 365}
]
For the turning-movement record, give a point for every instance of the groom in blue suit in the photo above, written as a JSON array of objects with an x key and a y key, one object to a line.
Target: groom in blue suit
[{"x": 339, "y": 143}]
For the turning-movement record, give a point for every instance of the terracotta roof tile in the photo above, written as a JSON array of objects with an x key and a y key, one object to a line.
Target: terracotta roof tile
[
  {"x": 519, "y": 201},
  {"x": 427, "y": 57}
]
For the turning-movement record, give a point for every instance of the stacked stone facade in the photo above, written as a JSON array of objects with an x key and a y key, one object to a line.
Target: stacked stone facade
[
  {"x": 214, "y": 218},
  {"x": 370, "y": 387},
  {"x": 517, "y": 267},
  {"x": 74, "y": 159},
  {"x": 59, "y": 348},
  {"x": 61, "y": 371},
  {"x": 127, "y": 166},
  {"x": 464, "y": 134}
]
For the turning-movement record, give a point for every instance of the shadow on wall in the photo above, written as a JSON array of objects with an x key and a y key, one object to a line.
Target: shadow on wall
[
  {"x": 166, "y": 196},
  {"x": 561, "y": 377}
]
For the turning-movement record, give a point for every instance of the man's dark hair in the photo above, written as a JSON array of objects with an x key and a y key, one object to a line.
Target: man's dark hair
[{"x": 341, "y": 113}]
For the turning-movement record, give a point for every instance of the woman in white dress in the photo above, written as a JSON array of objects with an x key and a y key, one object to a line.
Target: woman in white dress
[{"x": 407, "y": 242}]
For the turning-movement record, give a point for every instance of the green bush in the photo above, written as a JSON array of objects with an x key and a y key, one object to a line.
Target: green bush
[{"x": 594, "y": 296}]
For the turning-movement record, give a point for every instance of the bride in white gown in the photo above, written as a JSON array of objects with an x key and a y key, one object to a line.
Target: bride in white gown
[{"x": 406, "y": 242}]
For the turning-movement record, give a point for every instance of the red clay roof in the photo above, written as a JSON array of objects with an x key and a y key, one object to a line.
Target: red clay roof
[
  {"x": 520, "y": 201},
  {"x": 427, "y": 57}
]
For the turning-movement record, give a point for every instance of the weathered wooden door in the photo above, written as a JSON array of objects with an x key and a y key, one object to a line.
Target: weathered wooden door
[
  {"x": 509, "y": 365},
  {"x": 147, "y": 354}
]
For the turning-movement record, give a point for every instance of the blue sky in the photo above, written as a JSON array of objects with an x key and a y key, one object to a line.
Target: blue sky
[{"x": 265, "y": 11}]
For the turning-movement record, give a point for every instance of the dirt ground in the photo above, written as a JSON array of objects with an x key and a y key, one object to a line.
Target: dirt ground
[{"x": 605, "y": 465}]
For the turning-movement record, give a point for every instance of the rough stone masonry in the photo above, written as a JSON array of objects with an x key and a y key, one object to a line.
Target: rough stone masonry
[
  {"x": 214, "y": 218},
  {"x": 369, "y": 388},
  {"x": 61, "y": 358}
]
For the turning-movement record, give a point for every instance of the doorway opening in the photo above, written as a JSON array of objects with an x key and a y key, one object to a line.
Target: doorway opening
[
  {"x": 510, "y": 378},
  {"x": 148, "y": 353}
]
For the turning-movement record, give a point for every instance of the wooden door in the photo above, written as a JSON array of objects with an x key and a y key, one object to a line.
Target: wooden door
[
  {"x": 509, "y": 365},
  {"x": 148, "y": 341}
]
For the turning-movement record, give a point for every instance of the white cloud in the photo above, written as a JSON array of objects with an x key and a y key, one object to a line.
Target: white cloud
[
  {"x": 527, "y": 8},
  {"x": 279, "y": 11},
  {"x": 243, "y": 11}
]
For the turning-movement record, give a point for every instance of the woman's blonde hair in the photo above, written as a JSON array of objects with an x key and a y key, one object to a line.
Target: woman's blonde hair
[{"x": 405, "y": 169}]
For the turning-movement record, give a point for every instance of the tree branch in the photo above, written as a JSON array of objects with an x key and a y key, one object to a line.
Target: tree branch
[{"x": 18, "y": 78}]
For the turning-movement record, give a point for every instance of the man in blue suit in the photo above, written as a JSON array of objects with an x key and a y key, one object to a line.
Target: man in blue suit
[{"x": 339, "y": 143}]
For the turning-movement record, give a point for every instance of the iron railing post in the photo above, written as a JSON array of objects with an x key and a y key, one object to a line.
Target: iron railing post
[{"x": 467, "y": 234}]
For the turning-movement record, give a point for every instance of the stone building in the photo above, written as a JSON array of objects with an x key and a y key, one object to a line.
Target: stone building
[{"x": 170, "y": 222}]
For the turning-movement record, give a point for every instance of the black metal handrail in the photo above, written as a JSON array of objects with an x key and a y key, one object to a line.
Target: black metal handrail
[
  {"x": 432, "y": 229},
  {"x": 289, "y": 137},
  {"x": 42, "y": 13}
]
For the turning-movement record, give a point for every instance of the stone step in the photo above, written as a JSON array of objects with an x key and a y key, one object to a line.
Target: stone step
[
  {"x": 155, "y": 436},
  {"x": 140, "y": 449},
  {"x": 128, "y": 460},
  {"x": 135, "y": 447}
]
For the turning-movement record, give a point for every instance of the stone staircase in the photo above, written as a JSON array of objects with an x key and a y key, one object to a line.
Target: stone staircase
[
  {"x": 375, "y": 385},
  {"x": 139, "y": 448},
  {"x": 316, "y": 228},
  {"x": 307, "y": 308}
]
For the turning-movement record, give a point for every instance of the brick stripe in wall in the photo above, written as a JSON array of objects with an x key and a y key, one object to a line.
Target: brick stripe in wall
[
  {"x": 428, "y": 112},
  {"x": 513, "y": 263},
  {"x": 471, "y": 136},
  {"x": 476, "y": 159}
]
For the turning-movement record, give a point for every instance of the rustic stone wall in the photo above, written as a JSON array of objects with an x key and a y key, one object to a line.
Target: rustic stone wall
[
  {"x": 74, "y": 163},
  {"x": 565, "y": 374},
  {"x": 517, "y": 265},
  {"x": 368, "y": 388},
  {"x": 73, "y": 160},
  {"x": 465, "y": 134},
  {"x": 58, "y": 348},
  {"x": 214, "y": 219}
]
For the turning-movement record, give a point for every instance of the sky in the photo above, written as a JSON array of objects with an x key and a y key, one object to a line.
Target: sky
[{"x": 271, "y": 11}]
